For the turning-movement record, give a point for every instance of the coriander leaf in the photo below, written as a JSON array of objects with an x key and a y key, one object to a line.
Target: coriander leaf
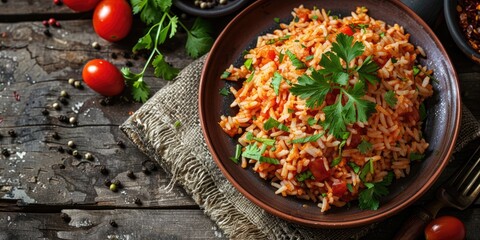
[
  {"x": 416, "y": 70},
  {"x": 271, "y": 123},
  {"x": 334, "y": 119},
  {"x": 224, "y": 91},
  {"x": 173, "y": 26},
  {"x": 249, "y": 136},
  {"x": 140, "y": 91},
  {"x": 355, "y": 104},
  {"x": 350, "y": 187},
  {"x": 198, "y": 39},
  {"x": 336, "y": 161},
  {"x": 304, "y": 176},
  {"x": 423, "y": 112},
  {"x": 354, "y": 167},
  {"x": 144, "y": 42},
  {"x": 368, "y": 71},
  {"x": 225, "y": 75},
  {"x": 297, "y": 63},
  {"x": 370, "y": 197},
  {"x": 416, "y": 156},
  {"x": 365, "y": 170},
  {"x": 390, "y": 98},
  {"x": 137, "y": 5},
  {"x": 311, "y": 138},
  {"x": 346, "y": 49},
  {"x": 309, "y": 57},
  {"x": 268, "y": 160},
  {"x": 313, "y": 88},
  {"x": 311, "y": 121},
  {"x": 177, "y": 124},
  {"x": 364, "y": 147},
  {"x": 253, "y": 152},
  {"x": 332, "y": 68},
  {"x": 382, "y": 34},
  {"x": 276, "y": 80},
  {"x": 163, "y": 69},
  {"x": 150, "y": 13},
  {"x": 164, "y": 5}
]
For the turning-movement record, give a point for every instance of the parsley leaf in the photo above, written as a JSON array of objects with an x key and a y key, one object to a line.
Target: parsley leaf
[
  {"x": 163, "y": 69},
  {"x": 295, "y": 61},
  {"x": 271, "y": 123},
  {"x": 416, "y": 70},
  {"x": 238, "y": 152},
  {"x": 357, "y": 109},
  {"x": 225, "y": 75},
  {"x": 276, "y": 19},
  {"x": 276, "y": 80},
  {"x": 364, "y": 147},
  {"x": 248, "y": 63},
  {"x": 224, "y": 91},
  {"x": 370, "y": 197},
  {"x": 314, "y": 88},
  {"x": 250, "y": 78},
  {"x": 345, "y": 50},
  {"x": 311, "y": 138},
  {"x": 416, "y": 156},
  {"x": 199, "y": 40},
  {"x": 368, "y": 167},
  {"x": 332, "y": 68},
  {"x": 253, "y": 152},
  {"x": 423, "y": 112},
  {"x": 140, "y": 91},
  {"x": 311, "y": 121},
  {"x": 354, "y": 166},
  {"x": 304, "y": 176},
  {"x": 368, "y": 70},
  {"x": 390, "y": 98}
]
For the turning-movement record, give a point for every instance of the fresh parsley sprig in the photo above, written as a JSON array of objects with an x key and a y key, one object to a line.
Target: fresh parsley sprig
[
  {"x": 165, "y": 25},
  {"x": 370, "y": 197},
  {"x": 335, "y": 74}
]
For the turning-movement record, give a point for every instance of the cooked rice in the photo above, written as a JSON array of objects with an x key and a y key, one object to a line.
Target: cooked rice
[{"x": 394, "y": 132}]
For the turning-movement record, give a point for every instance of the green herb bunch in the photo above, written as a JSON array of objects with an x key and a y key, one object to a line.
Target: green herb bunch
[{"x": 163, "y": 25}]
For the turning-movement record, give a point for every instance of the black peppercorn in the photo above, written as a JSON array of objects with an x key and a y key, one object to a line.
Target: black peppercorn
[
  {"x": 126, "y": 55},
  {"x": 137, "y": 201},
  {"x": 102, "y": 102},
  {"x": 69, "y": 151},
  {"x": 113, "y": 223},
  {"x": 61, "y": 166},
  {"x": 107, "y": 182},
  {"x": 65, "y": 217},
  {"x": 103, "y": 170},
  {"x": 113, "y": 55},
  {"x": 55, "y": 136},
  {"x": 12, "y": 133},
  {"x": 116, "y": 182},
  {"x": 130, "y": 174},
  {"x": 5, "y": 152},
  {"x": 63, "y": 100},
  {"x": 63, "y": 118},
  {"x": 60, "y": 149},
  {"x": 145, "y": 170},
  {"x": 128, "y": 64},
  {"x": 150, "y": 166},
  {"x": 47, "y": 33},
  {"x": 120, "y": 144},
  {"x": 76, "y": 154},
  {"x": 45, "y": 112}
]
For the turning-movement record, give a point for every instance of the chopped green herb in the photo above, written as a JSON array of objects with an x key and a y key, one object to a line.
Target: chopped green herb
[
  {"x": 276, "y": 19},
  {"x": 296, "y": 19},
  {"x": 382, "y": 34},
  {"x": 354, "y": 167},
  {"x": 238, "y": 152},
  {"x": 225, "y": 75},
  {"x": 308, "y": 58},
  {"x": 416, "y": 156},
  {"x": 423, "y": 112},
  {"x": 364, "y": 147},
  {"x": 295, "y": 61},
  {"x": 253, "y": 152},
  {"x": 276, "y": 80},
  {"x": 303, "y": 46},
  {"x": 248, "y": 63},
  {"x": 290, "y": 110},
  {"x": 224, "y": 91},
  {"x": 366, "y": 169},
  {"x": 416, "y": 70},
  {"x": 249, "y": 79},
  {"x": 350, "y": 187},
  {"x": 390, "y": 98},
  {"x": 304, "y": 176},
  {"x": 314, "y": 17},
  {"x": 271, "y": 123},
  {"x": 336, "y": 161},
  {"x": 394, "y": 60},
  {"x": 370, "y": 197},
  {"x": 311, "y": 121},
  {"x": 177, "y": 124},
  {"x": 280, "y": 57},
  {"x": 311, "y": 138},
  {"x": 266, "y": 141},
  {"x": 249, "y": 136},
  {"x": 245, "y": 52}
]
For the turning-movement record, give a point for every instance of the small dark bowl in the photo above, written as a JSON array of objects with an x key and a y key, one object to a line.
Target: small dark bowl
[
  {"x": 440, "y": 128},
  {"x": 451, "y": 17},
  {"x": 189, "y": 7}
]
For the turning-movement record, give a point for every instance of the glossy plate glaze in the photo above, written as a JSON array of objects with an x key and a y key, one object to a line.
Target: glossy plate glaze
[{"x": 441, "y": 126}]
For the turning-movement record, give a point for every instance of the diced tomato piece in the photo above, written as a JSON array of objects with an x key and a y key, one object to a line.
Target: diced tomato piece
[
  {"x": 346, "y": 30},
  {"x": 318, "y": 169},
  {"x": 409, "y": 117},
  {"x": 339, "y": 188},
  {"x": 271, "y": 54}
]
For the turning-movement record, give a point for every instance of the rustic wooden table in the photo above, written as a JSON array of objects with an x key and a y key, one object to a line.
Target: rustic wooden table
[{"x": 40, "y": 186}]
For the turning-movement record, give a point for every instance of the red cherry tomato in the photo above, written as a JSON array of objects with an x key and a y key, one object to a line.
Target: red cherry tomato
[
  {"x": 346, "y": 30},
  {"x": 81, "y": 5},
  {"x": 318, "y": 169},
  {"x": 445, "y": 227},
  {"x": 112, "y": 19},
  {"x": 103, "y": 77}
]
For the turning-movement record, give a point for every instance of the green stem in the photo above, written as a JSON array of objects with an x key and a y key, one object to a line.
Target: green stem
[{"x": 155, "y": 50}]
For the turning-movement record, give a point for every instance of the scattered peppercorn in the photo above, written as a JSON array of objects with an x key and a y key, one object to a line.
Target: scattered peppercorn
[
  {"x": 137, "y": 201},
  {"x": 65, "y": 217},
  {"x": 71, "y": 144},
  {"x": 102, "y": 102},
  {"x": 126, "y": 55},
  {"x": 114, "y": 55},
  {"x": 77, "y": 84},
  {"x": 113, "y": 223},
  {"x": 71, "y": 81},
  {"x": 5, "y": 152},
  {"x": 63, "y": 118},
  {"x": 55, "y": 136},
  {"x": 45, "y": 112},
  {"x": 120, "y": 144},
  {"x": 103, "y": 170},
  {"x": 64, "y": 94},
  {"x": 60, "y": 149},
  {"x": 47, "y": 33},
  {"x": 76, "y": 154},
  {"x": 72, "y": 120},
  {"x": 107, "y": 182},
  {"x": 88, "y": 156},
  {"x": 117, "y": 182},
  {"x": 12, "y": 133},
  {"x": 128, "y": 64},
  {"x": 150, "y": 166},
  {"x": 63, "y": 100},
  {"x": 96, "y": 45},
  {"x": 61, "y": 166},
  {"x": 130, "y": 174},
  {"x": 145, "y": 170},
  {"x": 113, "y": 187},
  {"x": 56, "y": 106},
  {"x": 69, "y": 151}
]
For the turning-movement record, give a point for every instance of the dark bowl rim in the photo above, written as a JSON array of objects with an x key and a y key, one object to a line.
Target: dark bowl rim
[
  {"x": 458, "y": 37},
  {"x": 340, "y": 224},
  {"x": 212, "y": 12}
]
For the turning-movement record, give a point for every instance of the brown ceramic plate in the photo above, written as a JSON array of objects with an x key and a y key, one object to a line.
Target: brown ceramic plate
[{"x": 441, "y": 126}]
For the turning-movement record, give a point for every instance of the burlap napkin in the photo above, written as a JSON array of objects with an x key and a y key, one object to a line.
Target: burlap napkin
[{"x": 183, "y": 152}]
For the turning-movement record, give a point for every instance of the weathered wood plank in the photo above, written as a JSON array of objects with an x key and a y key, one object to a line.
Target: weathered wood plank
[
  {"x": 36, "y": 68},
  {"x": 28, "y": 10},
  {"x": 132, "y": 224}
]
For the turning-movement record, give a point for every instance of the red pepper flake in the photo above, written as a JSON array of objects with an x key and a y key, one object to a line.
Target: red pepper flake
[{"x": 16, "y": 96}]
